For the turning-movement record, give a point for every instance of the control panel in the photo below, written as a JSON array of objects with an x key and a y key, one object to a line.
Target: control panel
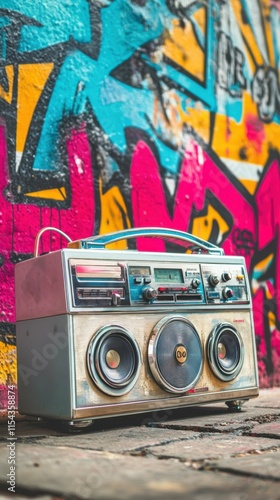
[
  {"x": 104, "y": 284},
  {"x": 224, "y": 284}
]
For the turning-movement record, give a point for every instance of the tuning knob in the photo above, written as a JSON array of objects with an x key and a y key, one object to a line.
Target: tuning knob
[
  {"x": 195, "y": 283},
  {"x": 227, "y": 293},
  {"x": 149, "y": 293},
  {"x": 226, "y": 276},
  {"x": 214, "y": 279}
]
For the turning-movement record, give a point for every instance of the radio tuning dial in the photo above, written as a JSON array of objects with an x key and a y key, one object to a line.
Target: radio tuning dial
[
  {"x": 214, "y": 279},
  {"x": 226, "y": 276},
  {"x": 195, "y": 283},
  {"x": 149, "y": 293},
  {"x": 227, "y": 293}
]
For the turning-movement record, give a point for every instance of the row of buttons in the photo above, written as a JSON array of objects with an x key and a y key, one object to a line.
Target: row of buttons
[{"x": 139, "y": 281}]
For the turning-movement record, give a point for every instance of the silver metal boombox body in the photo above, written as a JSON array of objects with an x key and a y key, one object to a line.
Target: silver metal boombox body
[{"x": 107, "y": 332}]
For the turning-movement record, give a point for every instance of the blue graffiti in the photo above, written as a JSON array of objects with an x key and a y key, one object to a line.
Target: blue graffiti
[
  {"x": 87, "y": 81},
  {"x": 106, "y": 68}
]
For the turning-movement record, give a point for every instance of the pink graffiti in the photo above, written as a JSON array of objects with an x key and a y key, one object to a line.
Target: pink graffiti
[
  {"x": 199, "y": 175},
  {"x": 268, "y": 209},
  {"x": 20, "y": 223},
  {"x": 268, "y": 220}
]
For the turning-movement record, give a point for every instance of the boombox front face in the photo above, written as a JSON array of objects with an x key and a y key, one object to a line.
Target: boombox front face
[
  {"x": 130, "y": 334},
  {"x": 138, "y": 362}
]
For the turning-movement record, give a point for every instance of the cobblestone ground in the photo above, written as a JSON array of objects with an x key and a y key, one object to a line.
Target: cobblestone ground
[{"x": 204, "y": 452}]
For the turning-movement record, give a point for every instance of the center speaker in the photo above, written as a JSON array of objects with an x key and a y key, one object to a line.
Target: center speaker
[{"x": 175, "y": 354}]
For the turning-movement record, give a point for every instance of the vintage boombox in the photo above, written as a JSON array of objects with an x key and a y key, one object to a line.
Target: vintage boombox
[{"x": 104, "y": 332}]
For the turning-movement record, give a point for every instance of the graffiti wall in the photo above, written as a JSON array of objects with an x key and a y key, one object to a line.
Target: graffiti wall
[{"x": 129, "y": 113}]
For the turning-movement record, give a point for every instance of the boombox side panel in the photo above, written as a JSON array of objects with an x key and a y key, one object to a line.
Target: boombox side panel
[
  {"x": 45, "y": 367},
  {"x": 146, "y": 389},
  {"x": 39, "y": 287}
]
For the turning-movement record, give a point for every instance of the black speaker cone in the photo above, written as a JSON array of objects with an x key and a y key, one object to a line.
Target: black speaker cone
[
  {"x": 225, "y": 351},
  {"x": 175, "y": 354},
  {"x": 114, "y": 360}
]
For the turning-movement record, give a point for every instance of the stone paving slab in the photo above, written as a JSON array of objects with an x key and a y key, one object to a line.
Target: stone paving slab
[
  {"x": 271, "y": 429},
  {"x": 87, "y": 474},
  {"x": 197, "y": 453},
  {"x": 196, "y": 419},
  {"x": 212, "y": 446},
  {"x": 31, "y": 428},
  {"x": 121, "y": 440},
  {"x": 219, "y": 420},
  {"x": 265, "y": 466}
]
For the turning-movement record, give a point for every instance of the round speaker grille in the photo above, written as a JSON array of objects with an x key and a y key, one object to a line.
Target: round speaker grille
[
  {"x": 113, "y": 360},
  {"x": 175, "y": 354},
  {"x": 225, "y": 351}
]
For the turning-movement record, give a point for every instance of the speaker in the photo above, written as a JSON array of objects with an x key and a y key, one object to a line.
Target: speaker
[
  {"x": 225, "y": 352},
  {"x": 113, "y": 360},
  {"x": 175, "y": 354}
]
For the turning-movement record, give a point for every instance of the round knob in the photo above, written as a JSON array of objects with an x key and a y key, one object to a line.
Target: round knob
[
  {"x": 149, "y": 294},
  {"x": 227, "y": 293},
  {"x": 226, "y": 276},
  {"x": 214, "y": 280},
  {"x": 195, "y": 283}
]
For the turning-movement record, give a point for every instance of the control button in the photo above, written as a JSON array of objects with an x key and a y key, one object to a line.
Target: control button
[
  {"x": 227, "y": 293},
  {"x": 226, "y": 276},
  {"x": 214, "y": 279},
  {"x": 149, "y": 294},
  {"x": 162, "y": 289},
  {"x": 116, "y": 299},
  {"x": 195, "y": 283},
  {"x": 137, "y": 281},
  {"x": 240, "y": 277},
  {"x": 147, "y": 280}
]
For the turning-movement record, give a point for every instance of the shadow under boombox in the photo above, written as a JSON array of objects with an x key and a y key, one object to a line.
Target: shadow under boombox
[{"x": 102, "y": 333}]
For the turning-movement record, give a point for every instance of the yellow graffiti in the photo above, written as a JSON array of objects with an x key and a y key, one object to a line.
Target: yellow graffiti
[
  {"x": 253, "y": 51},
  {"x": 54, "y": 194},
  {"x": 231, "y": 138},
  {"x": 271, "y": 320},
  {"x": 8, "y": 366},
  {"x": 182, "y": 48},
  {"x": 254, "y": 54},
  {"x": 247, "y": 142},
  {"x": 202, "y": 226},
  {"x": 31, "y": 82}
]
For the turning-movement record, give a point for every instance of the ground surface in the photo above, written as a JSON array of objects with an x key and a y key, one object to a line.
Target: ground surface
[{"x": 205, "y": 452}]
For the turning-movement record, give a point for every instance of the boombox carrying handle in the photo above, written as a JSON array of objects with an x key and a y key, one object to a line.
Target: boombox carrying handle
[
  {"x": 100, "y": 241},
  {"x": 42, "y": 231}
]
